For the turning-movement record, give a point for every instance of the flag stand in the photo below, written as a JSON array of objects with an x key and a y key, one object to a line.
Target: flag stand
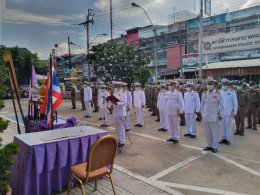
[{"x": 50, "y": 89}]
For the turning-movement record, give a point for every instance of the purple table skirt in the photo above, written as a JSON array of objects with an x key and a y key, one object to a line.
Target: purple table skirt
[
  {"x": 42, "y": 125},
  {"x": 43, "y": 169}
]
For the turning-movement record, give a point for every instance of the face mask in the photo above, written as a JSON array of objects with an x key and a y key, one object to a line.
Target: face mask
[
  {"x": 163, "y": 89},
  {"x": 210, "y": 87},
  {"x": 116, "y": 90},
  {"x": 188, "y": 88},
  {"x": 137, "y": 88},
  {"x": 224, "y": 88},
  {"x": 102, "y": 90},
  {"x": 172, "y": 87}
]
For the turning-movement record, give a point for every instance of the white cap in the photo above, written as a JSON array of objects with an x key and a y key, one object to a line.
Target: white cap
[
  {"x": 174, "y": 81},
  {"x": 116, "y": 82},
  {"x": 189, "y": 83},
  {"x": 124, "y": 84},
  {"x": 137, "y": 84},
  {"x": 224, "y": 80},
  {"x": 211, "y": 80}
]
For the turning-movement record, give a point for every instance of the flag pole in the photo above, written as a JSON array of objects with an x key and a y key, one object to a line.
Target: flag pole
[{"x": 50, "y": 90}]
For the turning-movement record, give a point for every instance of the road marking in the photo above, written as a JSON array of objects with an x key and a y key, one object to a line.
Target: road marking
[
  {"x": 177, "y": 166},
  {"x": 198, "y": 188},
  {"x": 256, "y": 173},
  {"x": 146, "y": 180},
  {"x": 165, "y": 186},
  {"x": 240, "y": 158}
]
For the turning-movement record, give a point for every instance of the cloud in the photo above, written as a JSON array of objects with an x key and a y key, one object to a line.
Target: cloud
[{"x": 20, "y": 17}]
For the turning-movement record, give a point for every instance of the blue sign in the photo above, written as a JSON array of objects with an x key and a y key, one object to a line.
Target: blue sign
[{"x": 194, "y": 23}]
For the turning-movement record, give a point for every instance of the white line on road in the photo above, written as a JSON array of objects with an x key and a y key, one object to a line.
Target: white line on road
[
  {"x": 177, "y": 166},
  {"x": 146, "y": 180},
  {"x": 256, "y": 173},
  {"x": 199, "y": 189}
]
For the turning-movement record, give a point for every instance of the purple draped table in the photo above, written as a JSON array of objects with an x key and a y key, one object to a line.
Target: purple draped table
[{"x": 45, "y": 158}]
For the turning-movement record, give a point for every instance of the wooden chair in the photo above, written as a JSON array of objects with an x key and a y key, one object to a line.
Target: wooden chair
[{"x": 99, "y": 163}]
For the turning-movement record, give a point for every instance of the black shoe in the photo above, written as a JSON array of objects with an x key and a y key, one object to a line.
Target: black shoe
[
  {"x": 214, "y": 150},
  {"x": 223, "y": 141},
  {"x": 175, "y": 141},
  {"x": 140, "y": 125},
  {"x": 207, "y": 148},
  {"x": 241, "y": 134},
  {"x": 255, "y": 129},
  {"x": 100, "y": 119},
  {"x": 236, "y": 133},
  {"x": 153, "y": 114},
  {"x": 164, "y": 130},
  {"x": 157, "y": 120},
  {"x": 182, "y": 124},
  {"x": 102, "y": 125},
  {"x": 161, "y": 129},
  {"x": 192, "y": 136},
  {"x": 187, "y": 135},
  {"x": 248, "y": 127},
  {"x": 120, "y": 145},
  {"x": 83, "y": 109},
  {"x": 169, "y": 140},
  {"x": 136, "y": 125},
  {"x": 127, "y": 130},
  {"x": 227, "y": 142},
  {"x": 87, "y": 116},
  {"x": 106, "y": 126}
]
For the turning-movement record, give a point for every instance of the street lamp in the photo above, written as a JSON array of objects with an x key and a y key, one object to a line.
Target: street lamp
[
  {"x": 77, "y": 46},
  {"x": 155, "y": 37}
]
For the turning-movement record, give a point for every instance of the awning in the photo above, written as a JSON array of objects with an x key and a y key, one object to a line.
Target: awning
[
  {"x": 168, "y": 72},
  {"x": 233, "y": 64}
]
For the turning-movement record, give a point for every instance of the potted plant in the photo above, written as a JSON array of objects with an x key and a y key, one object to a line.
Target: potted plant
[{"x": 6, "y": 151}]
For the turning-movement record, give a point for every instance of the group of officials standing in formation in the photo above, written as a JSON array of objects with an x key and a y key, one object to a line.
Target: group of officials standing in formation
[{"x": 224, "y": 104}]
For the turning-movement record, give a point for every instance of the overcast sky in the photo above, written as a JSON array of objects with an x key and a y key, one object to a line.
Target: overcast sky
[{"x": 39, "y": 24}]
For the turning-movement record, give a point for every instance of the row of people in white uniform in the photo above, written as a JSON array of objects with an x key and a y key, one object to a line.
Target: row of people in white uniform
[{"x": 214, "y": 106}]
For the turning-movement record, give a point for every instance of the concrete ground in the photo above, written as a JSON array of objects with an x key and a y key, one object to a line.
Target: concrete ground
[{"x": 154, "y": 166}]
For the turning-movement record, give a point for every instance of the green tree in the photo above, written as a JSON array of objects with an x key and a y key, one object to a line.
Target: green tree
[
  {"x": 111, "y": 61},
  {"x": 145, "y": 74},
  {"x": 23, "y": 60}
]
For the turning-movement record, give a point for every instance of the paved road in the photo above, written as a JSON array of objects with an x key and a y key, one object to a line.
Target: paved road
[{"x": 182, "y": 168}]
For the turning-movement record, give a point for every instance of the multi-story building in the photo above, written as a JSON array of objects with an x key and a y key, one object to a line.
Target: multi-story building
[{"x": 178, "y": 43}]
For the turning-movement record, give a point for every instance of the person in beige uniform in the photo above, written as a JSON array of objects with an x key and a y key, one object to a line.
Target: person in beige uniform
[{"x": 242, "y": 100}]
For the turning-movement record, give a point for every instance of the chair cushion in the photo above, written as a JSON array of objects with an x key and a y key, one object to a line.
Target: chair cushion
[{"x": 80, "y": 171}]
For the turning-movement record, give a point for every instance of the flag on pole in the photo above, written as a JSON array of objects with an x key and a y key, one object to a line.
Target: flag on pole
[
  {"x": 56, "y": 97},
  {"x": 33, "y": 81},
  {"x": 53, "y": 99}
]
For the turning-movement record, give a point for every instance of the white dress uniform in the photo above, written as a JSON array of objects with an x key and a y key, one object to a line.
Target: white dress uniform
[
  {"x": 128, "y": 106},
  {"x": 211, "y": 103},
  {"x": 103, "y": 105},
  {"x": 87, "y": 100},
  {"x": 175, "y": 106},
  {"x": 230, "y": 107},
  {"x": 162, "y": 106},
  {"x": 191, "y": 106},
  {"x": 119, "y": 111},
  {"x": 139, "y": 102}
]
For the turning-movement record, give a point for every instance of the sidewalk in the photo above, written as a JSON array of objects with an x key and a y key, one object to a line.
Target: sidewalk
[{"x": 124, "y": 184}]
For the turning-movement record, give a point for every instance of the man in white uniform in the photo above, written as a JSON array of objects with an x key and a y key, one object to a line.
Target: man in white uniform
[
  {"x": 162, "y": 106},
  {"x": 128, "y": 106},
  {"x": 175, "y": 106},
  {"x": 119, "y": 110},
  {"x": 139, "y": 104},
  {"x": 211, "y": 103},
  {"x": 191, "y": 108},
  {"x": 103, "y": 105},
  {"x": 88, "y": 99},
  {"x": 230, "y": 107}
]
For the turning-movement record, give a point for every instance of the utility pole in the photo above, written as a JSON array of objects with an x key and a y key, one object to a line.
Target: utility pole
[
  {"x": 69, "y": 52},
  {"x": 111, "y": 20},
  {"x": 180, "y": 47},
  {"x": 201, "y": 40},
  {"x": 89, "y": 19}
]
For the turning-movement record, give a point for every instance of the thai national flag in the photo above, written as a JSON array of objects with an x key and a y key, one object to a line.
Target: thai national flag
[{"x": 56, "y": 97}]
